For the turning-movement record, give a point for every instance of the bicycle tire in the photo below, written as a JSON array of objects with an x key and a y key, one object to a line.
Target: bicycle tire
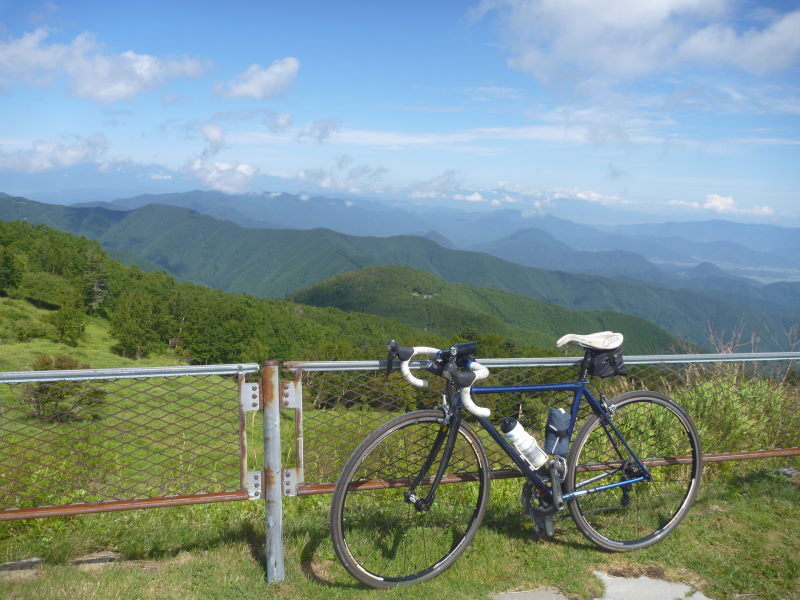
[
  {"x": 639, "y": 515},
  {"x": 381, "y": 539}
]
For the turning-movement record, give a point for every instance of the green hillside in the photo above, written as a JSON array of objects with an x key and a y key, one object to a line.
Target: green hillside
[
  {"x": 273, "y": 263},
  {"x": 421, "y": 299},
  {"x": 63, "y": 295}
]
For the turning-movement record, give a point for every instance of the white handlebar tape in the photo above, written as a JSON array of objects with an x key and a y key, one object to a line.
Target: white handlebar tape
[
  {"x": 481, "y": 372},
  {"x": 415, "y": 381}
]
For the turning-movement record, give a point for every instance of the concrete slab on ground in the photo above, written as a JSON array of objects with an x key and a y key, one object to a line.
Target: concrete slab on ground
[{"x": 619, "y": 588}]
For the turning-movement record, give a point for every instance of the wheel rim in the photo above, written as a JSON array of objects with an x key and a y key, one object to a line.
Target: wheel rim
[
  {"x": 386, "y": 537},
  {"x": 640, "y": 514}
]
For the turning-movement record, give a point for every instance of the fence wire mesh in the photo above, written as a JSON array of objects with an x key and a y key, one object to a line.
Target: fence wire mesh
[
  {"x": 82, "y": 442},
  {"x": 738, "y": 407}
]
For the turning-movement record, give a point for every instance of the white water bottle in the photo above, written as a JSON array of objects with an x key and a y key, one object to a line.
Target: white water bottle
[{"x": 523, "y": 441}]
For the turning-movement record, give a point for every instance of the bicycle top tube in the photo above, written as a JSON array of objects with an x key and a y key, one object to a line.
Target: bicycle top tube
[{"x": 572, "y": 386}]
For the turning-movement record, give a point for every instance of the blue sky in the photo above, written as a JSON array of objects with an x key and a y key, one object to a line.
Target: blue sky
[{"x": 686, "y": 108}]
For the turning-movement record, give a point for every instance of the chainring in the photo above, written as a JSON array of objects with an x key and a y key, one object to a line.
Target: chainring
[{"x": 533, "y": 504}]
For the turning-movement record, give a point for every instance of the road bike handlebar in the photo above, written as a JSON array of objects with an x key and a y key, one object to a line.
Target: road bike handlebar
[{"x": 463, "y": 379}]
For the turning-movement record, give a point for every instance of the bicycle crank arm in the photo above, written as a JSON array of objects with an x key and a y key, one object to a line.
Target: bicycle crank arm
[{"x": 555, "y": 478}]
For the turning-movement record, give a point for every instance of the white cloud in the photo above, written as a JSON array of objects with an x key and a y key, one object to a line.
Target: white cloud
[
  {"x": 342, "y": 176},
  {"x": 437, "y": 187},
  {"x": 756, "y": 51},
  {"x": 321, "y": 130},
  {"x": 260, "y": 83},
  {"x": 719, "y": 203},
  {"x": 226, "y": 177},
  {"x": 214, "y": 134},
  {"x": 47, "y": 155},
  {"x": 319, "y": 177},
  {"x": 473, "y": 197},
  {"x": 279, "y": 121},
  {"x": 564, "y": 41},
  {"x": 723, "y": 205},
  {"x": 92, "y": 74},
  {"x": 588, "y": 196},
  {"x": 685, "y": 203}
]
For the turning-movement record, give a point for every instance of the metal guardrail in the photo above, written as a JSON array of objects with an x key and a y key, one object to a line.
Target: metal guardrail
[
  {"x": 745, "y": 405},
  {"x": 97, "y": 440}
]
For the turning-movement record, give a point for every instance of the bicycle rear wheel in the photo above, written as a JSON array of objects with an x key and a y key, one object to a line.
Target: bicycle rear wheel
[
  {"x": 383, "y": 540},
  {"x": 638, "y": 515}
]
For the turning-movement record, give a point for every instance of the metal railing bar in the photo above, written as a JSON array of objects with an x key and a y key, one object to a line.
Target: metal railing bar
[
  {"x": 376, "y": 365},
  {"x": 139, "y": 372},
  {"x": 328, "y": 488},
  {"x": 11, "y": 514}
]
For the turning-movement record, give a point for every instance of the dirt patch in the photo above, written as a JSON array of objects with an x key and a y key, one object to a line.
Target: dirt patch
[{"x": 652, "y": 571}]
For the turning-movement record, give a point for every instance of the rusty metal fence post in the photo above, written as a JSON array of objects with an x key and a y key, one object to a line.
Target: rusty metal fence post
[{"x": 273, "y": 496}]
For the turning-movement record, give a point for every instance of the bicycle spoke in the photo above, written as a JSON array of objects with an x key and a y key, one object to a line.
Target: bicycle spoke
[
  {"x": 382, "y": 539},
  {"x": 639, "y": 514}
]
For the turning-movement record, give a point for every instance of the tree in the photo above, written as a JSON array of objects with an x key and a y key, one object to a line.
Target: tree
[
  {"x": 69, "y": 320},
  {"x": 94, "y": 281},
  {"x": 10, "y": 270},
  {"x": 135, "y": 324}
]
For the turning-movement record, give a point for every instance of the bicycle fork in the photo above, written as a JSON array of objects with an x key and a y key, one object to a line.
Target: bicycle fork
[{"x": 447, "y": 432}]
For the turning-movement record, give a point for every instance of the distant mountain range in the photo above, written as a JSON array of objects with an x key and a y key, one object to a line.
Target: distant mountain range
[
  {"x": 276, "y": 262},
  {"x": 656, "y": 253}
]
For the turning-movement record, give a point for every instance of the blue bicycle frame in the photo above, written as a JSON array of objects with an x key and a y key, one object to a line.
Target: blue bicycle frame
[{"x": 580, "y": 390}]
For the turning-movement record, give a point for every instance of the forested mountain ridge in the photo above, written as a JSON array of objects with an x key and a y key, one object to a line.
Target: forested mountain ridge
[
  {"x": 424, "y": 300},
  {"x": 273, "y": 263}
]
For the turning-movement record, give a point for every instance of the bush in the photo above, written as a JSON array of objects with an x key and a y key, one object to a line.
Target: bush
[{"x": 62, "y": 401}]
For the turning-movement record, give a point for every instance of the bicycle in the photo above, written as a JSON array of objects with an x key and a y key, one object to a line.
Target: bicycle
[{"x": 411, "y": 497}]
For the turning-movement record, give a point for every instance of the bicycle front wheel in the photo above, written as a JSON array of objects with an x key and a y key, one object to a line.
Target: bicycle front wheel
[
  {"x": 635, "y": 516},
  {"x": 382, "y": 539}
]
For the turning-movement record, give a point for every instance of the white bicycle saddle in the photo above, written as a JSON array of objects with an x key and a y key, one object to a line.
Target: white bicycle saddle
[{"x": 603, "y": 340}]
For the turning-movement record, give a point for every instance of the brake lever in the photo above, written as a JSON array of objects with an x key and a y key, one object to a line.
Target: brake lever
[{"x": 392, "y": 349}]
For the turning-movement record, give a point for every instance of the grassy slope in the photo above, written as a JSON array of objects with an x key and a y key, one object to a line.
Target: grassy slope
[{"x": 95, "y": 349}]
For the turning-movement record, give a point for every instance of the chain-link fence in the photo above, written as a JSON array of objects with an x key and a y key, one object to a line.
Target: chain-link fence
[
  {"x": 96, "y": 440},
  {"x": 744, "y": 405}
]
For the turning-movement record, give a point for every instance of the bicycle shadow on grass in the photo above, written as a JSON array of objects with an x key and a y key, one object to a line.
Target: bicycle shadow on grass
[
  {"x": 519, "y": 526},
  {"x": 321, "y": 568}
]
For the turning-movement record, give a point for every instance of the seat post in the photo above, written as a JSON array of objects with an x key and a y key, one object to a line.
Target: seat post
[{"x": 584, "y": 365}]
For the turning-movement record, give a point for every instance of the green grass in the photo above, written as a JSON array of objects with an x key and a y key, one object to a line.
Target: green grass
[
  {"x": 739, "y": 541},
  {"x": 94, "y": 348}
]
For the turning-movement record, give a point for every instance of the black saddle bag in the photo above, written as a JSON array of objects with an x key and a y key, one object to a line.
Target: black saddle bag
[{"x": 605, "y": 363}]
